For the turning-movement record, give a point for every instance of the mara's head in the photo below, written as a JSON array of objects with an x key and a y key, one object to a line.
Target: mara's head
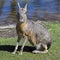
[{"x": 22, "y": 13}]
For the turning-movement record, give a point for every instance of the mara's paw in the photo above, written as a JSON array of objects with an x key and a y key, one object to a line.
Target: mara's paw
[
  {"x": 20, "y": 53},
  {"x": 35, "y": 51},
  {"x": 46, "y": 51},
  {"x": 13, "y": 52}
]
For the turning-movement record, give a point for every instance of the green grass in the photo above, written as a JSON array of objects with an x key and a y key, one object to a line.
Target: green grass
[{"x": 53, "y": 54}]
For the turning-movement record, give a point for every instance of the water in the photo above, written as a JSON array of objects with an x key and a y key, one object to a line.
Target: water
[{"x": 37, "y": 9}]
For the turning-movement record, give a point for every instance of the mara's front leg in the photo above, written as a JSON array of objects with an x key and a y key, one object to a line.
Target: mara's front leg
[
  {"x": 20, "y": 53},
  {"x": 16, "y": 47}
]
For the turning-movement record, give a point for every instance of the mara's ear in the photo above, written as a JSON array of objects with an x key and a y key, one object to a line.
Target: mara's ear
[
  {"x": 25, "y": 8},
  {"x": 19, "y": 8}
]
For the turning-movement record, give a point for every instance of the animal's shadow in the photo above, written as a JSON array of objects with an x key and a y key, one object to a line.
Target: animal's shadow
[{"x": 10, "y": 48}]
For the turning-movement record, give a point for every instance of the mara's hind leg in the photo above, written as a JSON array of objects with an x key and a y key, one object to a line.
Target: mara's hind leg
[
  {"x": 16, "y": 47},
  {"x": 43, "y": 49}
]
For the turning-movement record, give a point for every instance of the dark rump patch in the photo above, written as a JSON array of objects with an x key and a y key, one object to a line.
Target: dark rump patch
[{"x": 48, "y": 45}]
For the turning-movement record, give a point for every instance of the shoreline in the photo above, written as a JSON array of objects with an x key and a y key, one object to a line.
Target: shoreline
[{"x": 8, "y": 26}]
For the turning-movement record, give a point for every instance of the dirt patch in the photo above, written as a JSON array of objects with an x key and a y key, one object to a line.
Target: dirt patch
[{"x": 8, "y": 33}]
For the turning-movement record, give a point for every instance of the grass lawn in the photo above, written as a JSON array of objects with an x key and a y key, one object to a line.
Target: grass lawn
[{"x": 7, "y": 46}]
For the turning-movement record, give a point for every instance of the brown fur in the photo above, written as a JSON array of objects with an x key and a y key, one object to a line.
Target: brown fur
[{"x": 20, "y": 27}]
